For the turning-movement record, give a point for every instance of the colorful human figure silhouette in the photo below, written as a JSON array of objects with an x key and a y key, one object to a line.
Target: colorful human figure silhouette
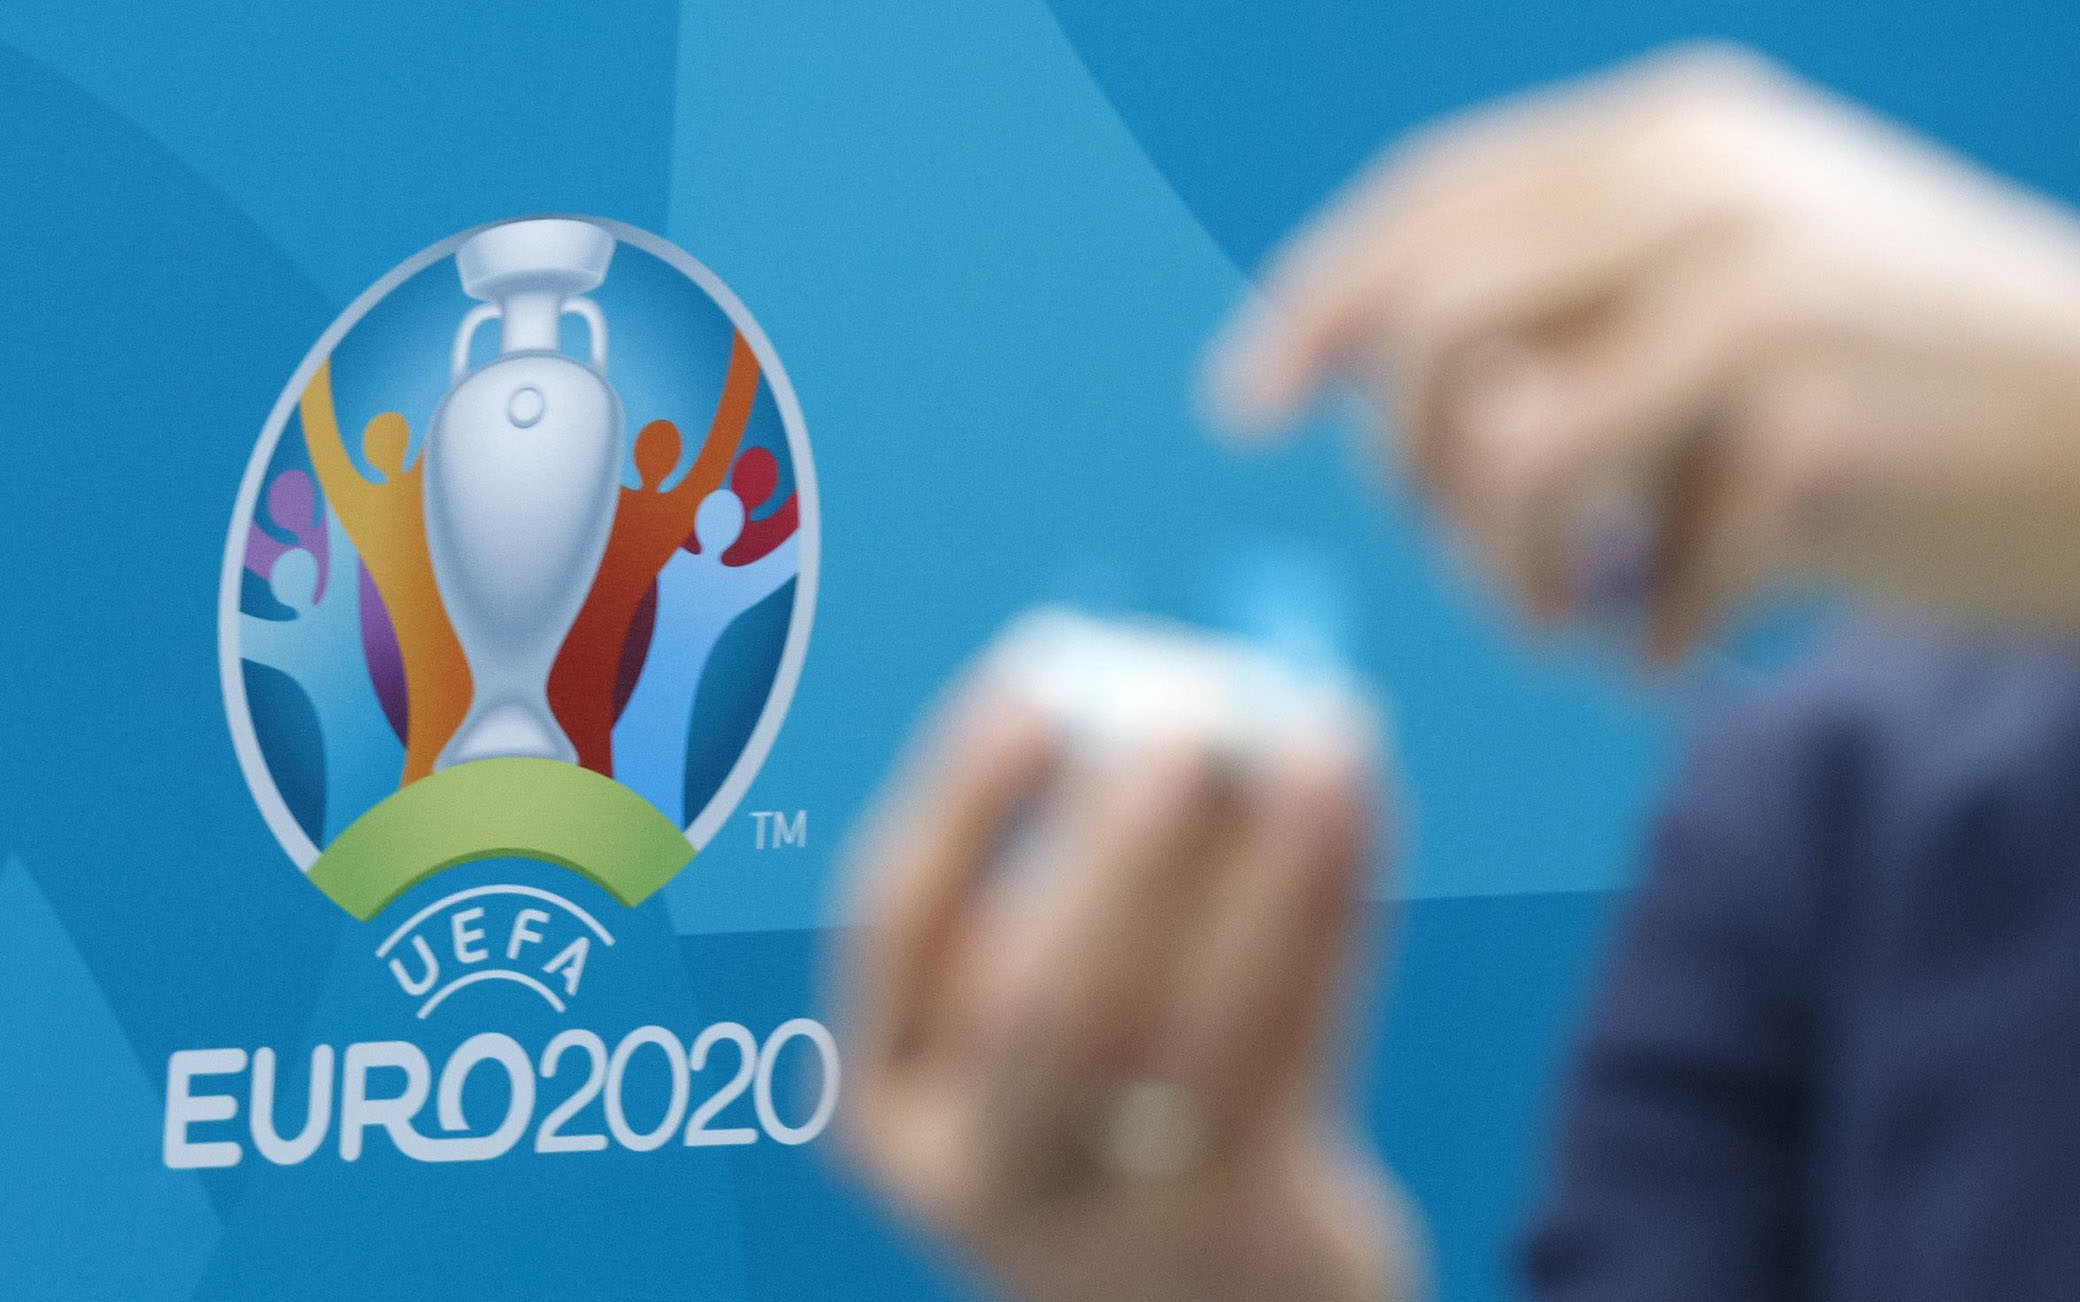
[
  {"x": 753, "y": 479},
  {"x": 385, "y": 661},
  {"x": 698, "y": 597},
  {"x": 292, "y": 507},
  {"x": 649, "y": 523},
  {"x": 320, "y": 649},
  {"x": 386, "y": 520}
]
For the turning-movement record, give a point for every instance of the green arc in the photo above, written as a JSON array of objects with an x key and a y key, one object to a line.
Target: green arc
[{"x": 525, "y": 808}]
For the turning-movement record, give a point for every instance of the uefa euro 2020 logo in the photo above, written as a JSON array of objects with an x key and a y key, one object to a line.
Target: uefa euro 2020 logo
[{"x": 523, "y": 565}]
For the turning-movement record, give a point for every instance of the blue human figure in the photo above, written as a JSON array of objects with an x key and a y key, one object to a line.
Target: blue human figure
[
  {"x": 321, "y": 650},
  {"x": 698, "y": 597}
]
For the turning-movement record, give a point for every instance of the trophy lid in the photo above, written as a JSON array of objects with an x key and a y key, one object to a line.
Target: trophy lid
[{"x": 558, "y": 254}]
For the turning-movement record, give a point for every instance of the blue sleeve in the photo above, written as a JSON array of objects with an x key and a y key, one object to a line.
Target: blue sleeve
[
  {"x": 1679, "y": 1169},
  {"x": 1838, "y": 1051}
]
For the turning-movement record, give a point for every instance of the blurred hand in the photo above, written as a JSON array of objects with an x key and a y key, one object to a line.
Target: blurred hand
[
  {"x": 1701, "y": 306},
  {"x": 1105, "y": 1073}
]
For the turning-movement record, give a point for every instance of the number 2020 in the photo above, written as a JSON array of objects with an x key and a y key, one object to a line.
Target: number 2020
[{"x": 653, "y": 1048}]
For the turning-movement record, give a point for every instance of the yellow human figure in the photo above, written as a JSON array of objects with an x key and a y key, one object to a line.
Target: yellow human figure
[{"x": 386, "y": 520}]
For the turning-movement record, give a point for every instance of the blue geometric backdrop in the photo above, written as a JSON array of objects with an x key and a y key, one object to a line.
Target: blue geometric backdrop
[{"x": 987, "y": 237}]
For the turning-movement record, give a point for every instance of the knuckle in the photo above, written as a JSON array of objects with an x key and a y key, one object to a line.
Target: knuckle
[
  {"x": 1756, "y": 309},
  {"x": 1796, "y": 461},
  {"x": 1326, "y": 785},
  {"x": 1714, "y": 71},
  {"x": 1696, "y": 140},
  {"x": 1698, "y": 106},
  {"x": 1171, "y": 793},
  {"x": 1759, "y": 306}
]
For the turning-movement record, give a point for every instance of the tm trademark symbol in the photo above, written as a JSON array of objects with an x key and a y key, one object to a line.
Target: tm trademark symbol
[{"x": 773, "y": 829}]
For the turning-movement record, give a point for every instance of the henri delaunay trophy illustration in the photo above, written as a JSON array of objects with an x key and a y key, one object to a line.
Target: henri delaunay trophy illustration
[
  {"x": 545, "y": 601},
  {"x": 523, "y": 466}
]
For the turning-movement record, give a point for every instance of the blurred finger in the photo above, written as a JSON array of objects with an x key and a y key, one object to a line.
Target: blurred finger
[
  {"x": 1539, "y": 269},
  {"x": 1280, "y": 344},
  {"x": 1088, "y": 977},
  {"x": 922, "y": 856},
  {"x": 1715, "y": 550},
  {"x": 1505, "y": 213},
  {"x": 1263, "y": 987},
  {"x": 1573, "y": 435},
  {"x": 1760, "y": 494}
]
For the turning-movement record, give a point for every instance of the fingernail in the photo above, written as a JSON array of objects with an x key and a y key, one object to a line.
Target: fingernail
[
  {"x": 1245, "y": 387},
  {"x": 1614, "y": 572},
  {"x": 1615, "y": 557}
]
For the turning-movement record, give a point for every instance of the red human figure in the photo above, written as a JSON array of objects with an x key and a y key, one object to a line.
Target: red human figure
[
  {"x": 649, "y": 523},
  {"x": 753, "y": 479}
]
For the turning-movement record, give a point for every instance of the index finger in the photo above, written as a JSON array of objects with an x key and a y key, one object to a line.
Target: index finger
[
  {"x": 923, "y": 854},
  {"x": 1336, "y": 280},
  {"x": 1325, "y": 282}
]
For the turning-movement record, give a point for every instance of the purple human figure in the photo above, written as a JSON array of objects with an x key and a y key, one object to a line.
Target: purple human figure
[{"x": 292, "y": 506}]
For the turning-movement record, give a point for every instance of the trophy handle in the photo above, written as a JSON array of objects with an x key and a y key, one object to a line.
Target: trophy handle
[
  {"x": 596, "y": 324},
  {"x": 458, "y": 361}
]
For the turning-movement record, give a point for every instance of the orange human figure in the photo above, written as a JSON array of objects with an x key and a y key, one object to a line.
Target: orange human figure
[
  {"x": 386, "y": 520},
  {"x": 649, "y": 525}
]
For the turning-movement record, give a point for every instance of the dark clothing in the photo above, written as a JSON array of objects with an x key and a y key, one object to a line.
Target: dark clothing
[{"x": 1839, "y": 1054}]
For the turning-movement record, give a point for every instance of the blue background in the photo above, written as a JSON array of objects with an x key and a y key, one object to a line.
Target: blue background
[{"x": 987, "y": 239}]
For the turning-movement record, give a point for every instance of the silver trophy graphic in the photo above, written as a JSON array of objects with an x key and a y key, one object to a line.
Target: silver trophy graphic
[{"x": 522, "y": 472}]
